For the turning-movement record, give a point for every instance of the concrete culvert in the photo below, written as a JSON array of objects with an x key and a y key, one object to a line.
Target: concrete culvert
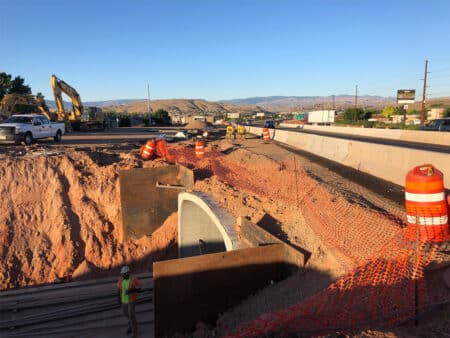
[{"x": 203, "y": 226}]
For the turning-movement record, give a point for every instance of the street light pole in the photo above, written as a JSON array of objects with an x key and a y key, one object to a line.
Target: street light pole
[{"x": 148, "y": 104}]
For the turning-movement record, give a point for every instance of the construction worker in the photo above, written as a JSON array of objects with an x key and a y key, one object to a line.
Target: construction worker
[
  {"x": 127, "y": 293},
  {"x": 241, "y": 131},
  {"x": 230, "y": 132}
]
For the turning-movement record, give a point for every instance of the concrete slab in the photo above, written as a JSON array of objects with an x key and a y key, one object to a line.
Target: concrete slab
[
  {"x": 148, "y": 196},
  {"x": 253, "y": 236}
]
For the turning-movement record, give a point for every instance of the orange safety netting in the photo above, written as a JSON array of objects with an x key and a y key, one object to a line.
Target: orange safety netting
[{"x": 385, "y": 261}]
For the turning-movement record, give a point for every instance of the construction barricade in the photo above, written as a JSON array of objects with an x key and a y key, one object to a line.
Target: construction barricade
[
  {"x": 155, "y": 148},
  {"x": 148, "y": 150},
  {"x": 266, "y": 135},
  {"x": 426, "y": 205},
  {"x": 199, "y": 149}
]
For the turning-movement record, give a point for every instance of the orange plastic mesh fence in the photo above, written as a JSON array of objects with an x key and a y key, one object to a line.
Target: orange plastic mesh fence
[{"x": 384, "y": 257}]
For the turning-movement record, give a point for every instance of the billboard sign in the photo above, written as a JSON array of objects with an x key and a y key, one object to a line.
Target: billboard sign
[
  {"x": 233, "y": 115},
  {"x": 406, "y": 96}
]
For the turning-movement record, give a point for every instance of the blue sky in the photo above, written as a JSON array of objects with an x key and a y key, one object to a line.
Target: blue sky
[{"x": 223, "y": 49}]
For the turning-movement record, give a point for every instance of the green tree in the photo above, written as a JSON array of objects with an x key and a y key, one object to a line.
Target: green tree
[
  {"x": 389, "y": 111},
  {"x": 412, "y": 112},
  {"x": 354, "y": 114},
  {"x": 161, "y": 116},
  {"x": 18, "y": 86},
  {"x": 446, "y": 112},
  {"x": 124, "y": 120},
  {"x": 5, "y": 84},
  {"x": 437, "y": 105},
  {"x": 146, "y": 119}
]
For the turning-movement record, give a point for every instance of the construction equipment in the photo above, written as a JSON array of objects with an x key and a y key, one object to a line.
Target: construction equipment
[
  {"x": 91, "y": 118},
  {"x": 14, "y": 103}
]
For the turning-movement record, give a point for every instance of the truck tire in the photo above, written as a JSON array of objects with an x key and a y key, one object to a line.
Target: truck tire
[
  {"x": 58, "y": 136},
  {"x": 28, "y": 139}
]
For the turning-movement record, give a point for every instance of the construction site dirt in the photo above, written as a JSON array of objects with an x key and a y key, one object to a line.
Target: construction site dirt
[{"x": 61, "y": 215}]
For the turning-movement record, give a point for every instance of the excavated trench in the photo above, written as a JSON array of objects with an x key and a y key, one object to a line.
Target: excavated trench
[{"x": 61, "y": 214}]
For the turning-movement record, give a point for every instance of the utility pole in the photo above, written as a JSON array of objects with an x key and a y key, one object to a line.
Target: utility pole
[
  {"x": 148, "y": 104},
  {"x": 422, "y": 114},
  {"x": 356, "y": 102},
  {"x": 334, "y": 102},
  {"x": 148, "y": 97}
]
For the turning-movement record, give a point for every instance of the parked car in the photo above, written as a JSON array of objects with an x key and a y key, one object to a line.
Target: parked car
[
  {"x": 437, "y": 125},
  {"x": 269, "y": 124}
]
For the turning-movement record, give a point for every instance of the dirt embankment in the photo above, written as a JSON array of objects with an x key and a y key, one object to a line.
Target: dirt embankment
[{"x": 62, "y": 214}]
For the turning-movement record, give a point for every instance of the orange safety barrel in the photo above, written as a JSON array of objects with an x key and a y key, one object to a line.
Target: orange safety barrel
[
  {"x": 199, "y": 149},
  {"x": 162, "y": 151},
  {"x": 149, "y": 150},
  {"x": 426, "y": 205},
  {"x": 266, "y": 134}
]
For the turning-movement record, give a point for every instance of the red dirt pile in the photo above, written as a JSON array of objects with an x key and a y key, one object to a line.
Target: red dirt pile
[{"x": 62, "y": 214}]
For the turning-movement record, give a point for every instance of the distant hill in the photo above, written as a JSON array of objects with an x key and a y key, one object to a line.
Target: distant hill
[
  {"x": 184, "y": 106},
  {"x": 294, "y": 103},
  {"x": 251, "y": 104},
  {"x": 68, "y": 105}
]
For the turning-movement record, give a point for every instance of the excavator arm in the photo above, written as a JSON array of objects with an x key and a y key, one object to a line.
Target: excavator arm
[{"x": 59, "y": 87}]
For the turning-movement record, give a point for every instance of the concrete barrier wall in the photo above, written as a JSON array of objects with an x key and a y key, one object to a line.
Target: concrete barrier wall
[
  {"x": 387, "y": 162},
  {"x": 431, "y": 137}
]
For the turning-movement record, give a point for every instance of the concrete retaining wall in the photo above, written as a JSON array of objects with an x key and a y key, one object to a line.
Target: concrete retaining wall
[
  {"x": 199, "y": 289},
  {"x": 387, "y": 162},
  {"x": 431, "y": 137}
]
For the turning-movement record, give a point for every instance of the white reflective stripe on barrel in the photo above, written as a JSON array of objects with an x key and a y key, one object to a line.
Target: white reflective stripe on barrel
[
  {"x": 437, "y": 197},
  {"x": 146, "y": 152},
  {"x": 438, "y": 220}
]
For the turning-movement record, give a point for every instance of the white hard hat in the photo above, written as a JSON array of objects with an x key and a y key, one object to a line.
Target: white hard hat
[{"x": 125, "y": 269}]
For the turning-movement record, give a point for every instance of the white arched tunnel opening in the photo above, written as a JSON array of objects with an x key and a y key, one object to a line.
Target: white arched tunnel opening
[{"x": 203, "y": 226}]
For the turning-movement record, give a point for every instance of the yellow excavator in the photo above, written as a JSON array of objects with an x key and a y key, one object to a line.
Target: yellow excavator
[
  {"x": 24, "y": 104},
  {"x": 91, "y": 118}
]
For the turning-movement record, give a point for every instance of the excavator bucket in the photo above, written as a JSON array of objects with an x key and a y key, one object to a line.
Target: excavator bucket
[{"x": 148, "y": 196}]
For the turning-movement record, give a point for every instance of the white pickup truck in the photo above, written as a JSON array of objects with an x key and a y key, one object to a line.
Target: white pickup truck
[{"x": 28, "y": 127}]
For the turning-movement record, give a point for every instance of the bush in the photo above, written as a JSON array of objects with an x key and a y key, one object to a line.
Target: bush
[
  {"x": 161, "y": 116},
  {"x": 146, "y": 119},
  {"x": 351, "y": 113},
  {"x": 446, "y": 112},
  {"x": 124, "y": 121}
]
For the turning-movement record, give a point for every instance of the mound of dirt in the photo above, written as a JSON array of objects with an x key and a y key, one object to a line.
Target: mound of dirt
[{"x": 61, "y": 214}]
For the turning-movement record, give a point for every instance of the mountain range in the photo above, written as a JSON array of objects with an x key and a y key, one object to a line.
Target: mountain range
[
  {"x": 251, "y": 104},
  {"x": 298, "y": 103}
]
